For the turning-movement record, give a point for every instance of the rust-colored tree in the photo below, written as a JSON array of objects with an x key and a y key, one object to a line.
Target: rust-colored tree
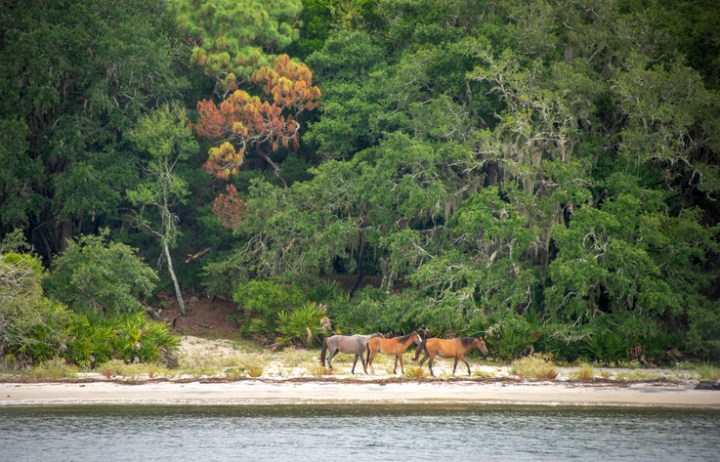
[
  {"x": 229, "y": 207},
  {"x": 245, "y": 124}
]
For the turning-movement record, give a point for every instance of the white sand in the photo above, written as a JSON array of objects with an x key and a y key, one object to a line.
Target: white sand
[{"x": 339, "y": 392}]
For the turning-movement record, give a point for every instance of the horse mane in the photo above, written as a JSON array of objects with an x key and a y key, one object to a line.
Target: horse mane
[
  {"x": 405, "y": 337},
  {"x": 467, "y": 341}
]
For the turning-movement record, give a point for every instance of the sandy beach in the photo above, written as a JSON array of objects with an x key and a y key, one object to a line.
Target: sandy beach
[
  {"x": 287, "y": 379},
  {"x": 255, "y": 392}
]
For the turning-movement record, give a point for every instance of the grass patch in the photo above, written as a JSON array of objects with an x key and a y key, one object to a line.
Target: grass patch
[
  {"x": 53, "y": 369},
  {"x": 119, "y": 368},
  {"x": 707, "y": 372},
  {"x": 534, "y": 367},
  {"x": 584, "y": 373},
  {"x": 216, "y": 360},
  {"x": 294, "y": 357},
  {"x": 415, "y": 372},
  {"x": 638, "y": 376},
  {"x": 483, "y": 374},
  {"x": 255, "y": 371},
  {"x": 319, "y": 371}
]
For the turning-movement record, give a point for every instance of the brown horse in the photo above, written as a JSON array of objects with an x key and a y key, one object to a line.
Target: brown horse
[
  {"x": 350, "y": 344},
  {"x": 449, "y": 348},
  {"x": 391, "y": 346}
]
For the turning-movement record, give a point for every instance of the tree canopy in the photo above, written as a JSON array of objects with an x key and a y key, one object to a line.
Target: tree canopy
[{"x": 546, "y": 173}]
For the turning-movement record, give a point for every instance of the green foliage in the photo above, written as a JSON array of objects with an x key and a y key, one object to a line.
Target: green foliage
[
  {"x": 32, "y": 327},
  {"x": 302, "y": 325},
  {"x": 704, "y": 332},
  {"x": 90, "y": 341},
  {"x": 511, "y": 335},
  {"x": 263, "y": 301},
  {"x": 325, "y": 291},
  {"x": 164, "y": 139},
  {"x": 136, "y": 338},
  {"x": 94, "y": 275},
  {"x": 231, "y": 38},
  {"x": 17, "y": 202},
  {"x": 131, "y": 337},
  {"x": 547, "y": 171},
  {"x": 364, "y": 311},
  {"x": 74, "y": 79}
]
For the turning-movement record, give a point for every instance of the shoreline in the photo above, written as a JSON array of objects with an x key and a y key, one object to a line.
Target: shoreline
[{"x": 342, "y": 392}]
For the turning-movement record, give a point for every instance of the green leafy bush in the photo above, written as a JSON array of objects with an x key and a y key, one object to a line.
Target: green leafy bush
[
  {"x": 704, "y": 331},
  {"x": 93, "y": 275},
  {"x": 32, "y": 327},
  {"x": 136, "y": 338},
  {"x": 302, "y": 325},
  {"x": 263, "y": 301},
  {"x": 512, "y": 335},
  {"x": 325, "y": 291},
  {"x": 131, "y": 337},
  {"x": 361, "y": 313}
]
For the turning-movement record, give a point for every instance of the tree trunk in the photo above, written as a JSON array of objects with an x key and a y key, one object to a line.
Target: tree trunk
[
  {"x": 275, "y": 167},
  {"x": 178, "y": 294}
]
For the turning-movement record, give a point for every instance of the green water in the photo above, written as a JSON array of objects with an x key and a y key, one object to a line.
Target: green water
[{"x": 329, "y": 433}]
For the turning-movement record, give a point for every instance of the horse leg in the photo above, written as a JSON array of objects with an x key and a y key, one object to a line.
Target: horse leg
[
  {"x": 354, "y": 363},
  {"x": 468, "y": 366},
  {"x": 333, "y": 352},
  {"x": 425, "y": 357},
  {"x": 455, "y": 365},
  {"x": 370, "y": 359},
  {"x": 430, "y": 367},
  {"x": 402, "y": 366},
  {"x": 395, "y": 368},
  {"x": 362, "y": 360}
]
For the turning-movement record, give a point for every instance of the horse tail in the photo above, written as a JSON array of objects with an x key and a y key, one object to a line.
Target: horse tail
[
  {"x": 420, "y": 348},
  {"x": 323, "y": 352}
]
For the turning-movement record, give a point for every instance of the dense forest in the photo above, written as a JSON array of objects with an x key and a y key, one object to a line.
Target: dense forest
[{"x": 545, "y": 173}]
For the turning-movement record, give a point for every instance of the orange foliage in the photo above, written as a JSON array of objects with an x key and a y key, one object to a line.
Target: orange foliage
[
  {"x": 212, "y": 124},
  {"x": 289, "y": 83},
  {"x": 229, "y": 207},
  {"x": 244, "y": 120}
]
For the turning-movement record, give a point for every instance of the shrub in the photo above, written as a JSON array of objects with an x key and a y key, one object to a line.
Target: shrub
[
  {"x": 704, "y": 331},
  {"x": 54, "y": 369},
  {"x": 263, "y": 301},
  {"x": 302, "y": 325},
  {"x": 511, "y": 335},
  {"x": 132, "y": 337},
  {"x": 93, "y": 275},
  {"x": 534, "y": 367},
  {"x": 586, "y": 373},
  {"x": 90, "y": 341},
  {"x": 32, "y": 327},
  {"x": 708, "y": 372},
  {"x": 255, "y": 371},
  {"x": 136, "y": 338},
  {"x": 415, "y": 372},
  {"x": 361, "y": 313},
  {"x": 325, "y": 291}
]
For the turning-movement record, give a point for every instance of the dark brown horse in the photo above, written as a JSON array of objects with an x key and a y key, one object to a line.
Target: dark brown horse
[
  {"x": 391, "y": 346},
  {"x": 350, "y": 344},
  {"x": 449, "y": 348}
]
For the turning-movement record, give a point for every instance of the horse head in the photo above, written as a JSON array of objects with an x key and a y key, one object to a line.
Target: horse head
[
  {"x": 416, "y": 337},
  {"x": 480, "y": 344}
]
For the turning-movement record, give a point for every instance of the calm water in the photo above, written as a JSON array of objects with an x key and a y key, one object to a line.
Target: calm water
[{"x": 354, "y": 433}]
